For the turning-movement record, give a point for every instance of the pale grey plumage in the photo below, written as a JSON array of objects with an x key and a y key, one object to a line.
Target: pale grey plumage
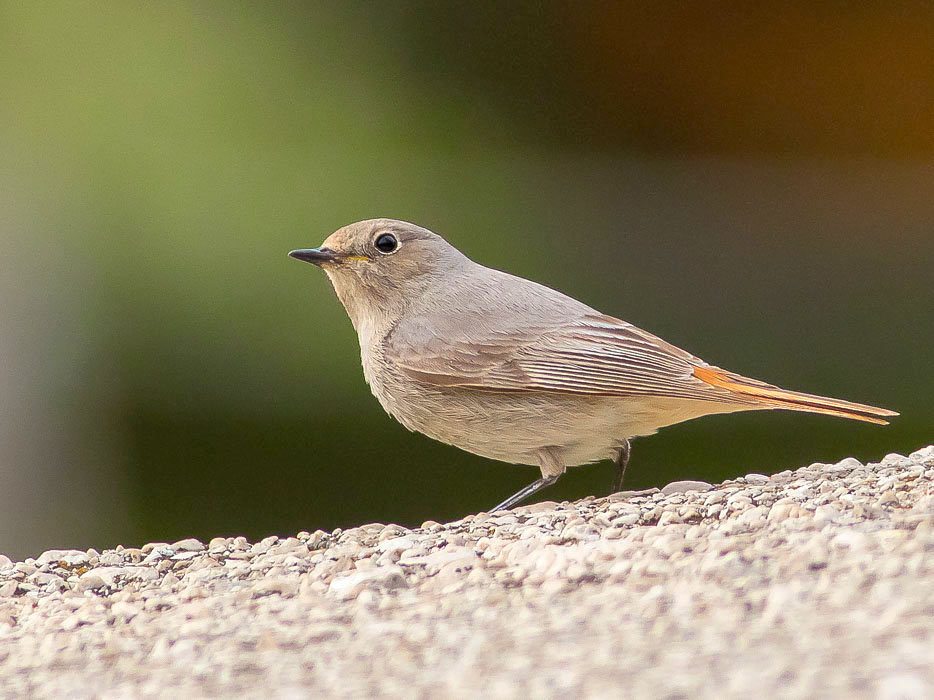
[{"x": 512, "y": 370}]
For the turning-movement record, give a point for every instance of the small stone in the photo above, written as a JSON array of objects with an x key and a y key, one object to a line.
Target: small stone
[
  {"x": 147, "y": 548},
  {"x": 184, "y": 556},
  {"x": 110, "y": 574},
  {"x": 849, "y": 463},
  {"x": 317, "y": 539},
  {"x": 629, "y": 495},
  {"x": 123, "y": 611},
  {"x": 56, "y": 555},
  {"x": 540, "y": 507},
  {"x": 413, "y": 553},
  {"x": 718, "y": 496},
  {"x": 556, "y": 586},
  {"x": 452, "y": 559},
  {"x": 90, "y": 581},
  {"x": 893, "y": 459},
  {"x": 348, "y": 586},
  {"x": 217, "y": 544},
  {"x": 753, "y": 517},
  {"x": 290, "y": 544},
  {"x": 74, "y": 561},
  {"x": 279, "y": 585},
  {"x": 260, "y": 548},
  {"x": 782, "y": 511},
  {"x": 826, "y": 512},
  {"x": 71, "y": 622},
  {"x": 889, "y": 498},
  {"x": 627, "y": 520},
  {"x": 188, "y": 545},
  {"x": 157, "y": 554},
  {"x": 41, "y": 578},
  {"x": 396, "y": 544},
  {"x": 685, "y": 486},
  {"x": 133, "y": 555}
]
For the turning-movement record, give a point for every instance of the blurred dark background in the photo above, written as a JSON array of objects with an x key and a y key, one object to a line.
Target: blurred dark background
[{"x": 754, "y": 183}]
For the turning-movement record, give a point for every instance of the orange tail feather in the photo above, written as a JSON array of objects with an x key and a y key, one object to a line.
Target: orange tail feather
[{"x": 774, "y": 397}]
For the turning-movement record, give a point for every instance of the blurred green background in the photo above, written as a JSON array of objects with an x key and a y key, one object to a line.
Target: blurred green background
[{"x": 753, "y": 183}]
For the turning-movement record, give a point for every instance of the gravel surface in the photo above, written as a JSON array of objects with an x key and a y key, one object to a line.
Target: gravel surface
[{"x": 814, "y": 582}]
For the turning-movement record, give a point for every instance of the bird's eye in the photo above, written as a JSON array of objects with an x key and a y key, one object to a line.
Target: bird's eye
[{"x": 386, "y": 243}]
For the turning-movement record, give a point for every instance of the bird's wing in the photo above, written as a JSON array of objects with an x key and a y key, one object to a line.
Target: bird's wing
[{"x": 592, "y": 355}]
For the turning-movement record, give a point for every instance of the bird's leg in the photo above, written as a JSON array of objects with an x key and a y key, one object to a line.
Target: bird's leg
[
  {"x": 552, "y": 466},
  {"x": 531, "y": 489},
  {"x": 621, "y": 461}
]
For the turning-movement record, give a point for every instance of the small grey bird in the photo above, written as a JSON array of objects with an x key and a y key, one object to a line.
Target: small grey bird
[{"x": 511, "y": 370}]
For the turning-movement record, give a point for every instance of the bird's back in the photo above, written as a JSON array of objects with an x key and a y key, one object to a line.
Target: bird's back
[{"x": 482, "y": 301}]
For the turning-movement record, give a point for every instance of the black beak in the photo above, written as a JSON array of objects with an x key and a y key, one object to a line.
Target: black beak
[{"x": 316, "y": 256}]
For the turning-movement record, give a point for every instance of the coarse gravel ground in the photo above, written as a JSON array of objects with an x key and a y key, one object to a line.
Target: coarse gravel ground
[{"x": 817, "y": 582}]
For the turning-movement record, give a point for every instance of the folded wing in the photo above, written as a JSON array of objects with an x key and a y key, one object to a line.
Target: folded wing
[{"x": 595, "y": 355}]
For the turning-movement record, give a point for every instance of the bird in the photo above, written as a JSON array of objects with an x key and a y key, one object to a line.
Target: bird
[{"x": 512, "y": 370}]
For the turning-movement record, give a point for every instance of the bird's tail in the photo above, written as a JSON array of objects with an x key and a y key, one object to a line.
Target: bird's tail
[{"x": 768, "y": 396}]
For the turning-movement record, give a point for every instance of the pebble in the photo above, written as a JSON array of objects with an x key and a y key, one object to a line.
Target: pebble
[
  {"x": 348, "y": 586},
  {"x": 693, "y": 590},
  {"x": 90, "y": 581},
  {"x": 188, "y": 545},
  {"x": 72, "y": 557},
  {"x": 396, "y": 544},
  {"x": 685, "y": 486},
  {"x": 279, "y": 585}
]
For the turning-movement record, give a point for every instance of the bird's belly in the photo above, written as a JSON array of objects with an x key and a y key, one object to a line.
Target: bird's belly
[
  {"x": 504, "y": 426},
  {"x": 513, "y": 427},
  {"x": 496, "y": 426}
]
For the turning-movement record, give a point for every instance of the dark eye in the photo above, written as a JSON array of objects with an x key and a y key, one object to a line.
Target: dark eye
[{"x": 386, "y": 243}]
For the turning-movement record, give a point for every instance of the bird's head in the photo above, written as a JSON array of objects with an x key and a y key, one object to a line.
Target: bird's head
[{"x": 378, "y": 266}]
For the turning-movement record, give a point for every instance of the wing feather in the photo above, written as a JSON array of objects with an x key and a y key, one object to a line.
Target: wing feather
[{"x": 592, "y": 355}]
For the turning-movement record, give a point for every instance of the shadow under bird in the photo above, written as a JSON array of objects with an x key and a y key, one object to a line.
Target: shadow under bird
[{"x": 515, "y": 371}]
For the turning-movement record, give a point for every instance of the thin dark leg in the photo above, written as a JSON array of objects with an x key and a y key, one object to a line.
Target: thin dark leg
[
  {"x": 621, "y": 461},
  {"x": 529, "y": 490}
]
